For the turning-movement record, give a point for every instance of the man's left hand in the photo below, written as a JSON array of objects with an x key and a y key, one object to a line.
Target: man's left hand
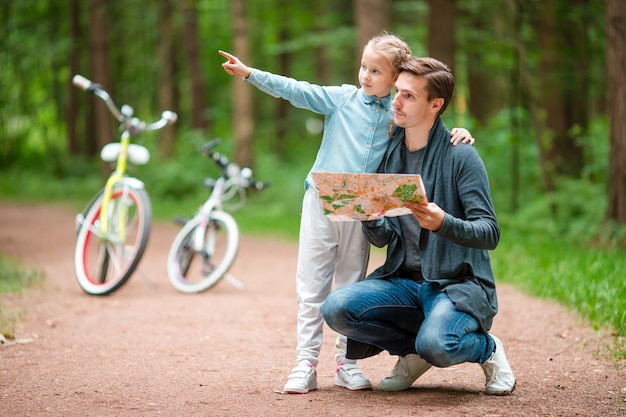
[{"x": 430, "y": 216}]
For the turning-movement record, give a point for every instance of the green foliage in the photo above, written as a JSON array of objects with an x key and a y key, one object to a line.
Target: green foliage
[
  {"x": 181, "y": 175},
  {"x": 510, "y": 156},
  {"x": 33, "y": 184},
  {"x": 14, "y": 278},
  {"x": 548, "y": 243},
  {"x": 587, "y": 279}
]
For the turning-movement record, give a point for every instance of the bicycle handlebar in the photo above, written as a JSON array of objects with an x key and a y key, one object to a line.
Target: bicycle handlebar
[
  {"x": 124, "y": 116},
  {"x": 231, "y": 169}
]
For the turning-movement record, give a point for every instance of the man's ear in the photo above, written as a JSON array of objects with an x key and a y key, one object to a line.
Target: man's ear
[{"x": 437, "y": 104}]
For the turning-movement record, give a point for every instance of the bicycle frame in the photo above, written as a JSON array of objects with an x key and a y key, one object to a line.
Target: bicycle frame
[
  {"x": 224, "y": 188},
  {"x": 213, "y": 202},
  {"x": 130, "y": 126},
  {"x": 219, "y": 194},
  {"x": 115, "y": 178}
]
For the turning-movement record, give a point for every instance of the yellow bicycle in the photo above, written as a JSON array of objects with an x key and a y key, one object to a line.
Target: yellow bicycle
[{"x": 113, "y": 229}]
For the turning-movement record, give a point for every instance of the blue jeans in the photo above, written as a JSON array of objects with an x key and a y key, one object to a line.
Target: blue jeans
[{"x": 402, "y": 316}]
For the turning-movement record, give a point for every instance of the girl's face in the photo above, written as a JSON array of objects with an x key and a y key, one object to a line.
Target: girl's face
[{"x": 376, "y": 75}]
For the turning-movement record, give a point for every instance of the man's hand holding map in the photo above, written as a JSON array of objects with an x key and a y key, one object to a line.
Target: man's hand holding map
[{"x": 362, "y": 196}]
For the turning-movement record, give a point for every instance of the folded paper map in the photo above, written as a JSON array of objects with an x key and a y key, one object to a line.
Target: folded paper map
[{"x": 367, "y": 196}]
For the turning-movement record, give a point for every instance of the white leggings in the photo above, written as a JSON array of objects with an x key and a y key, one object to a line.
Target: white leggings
[{"x": 327, "y": 249}]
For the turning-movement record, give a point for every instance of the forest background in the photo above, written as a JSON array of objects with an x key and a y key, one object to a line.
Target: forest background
[{"x": 540, "y": 84}]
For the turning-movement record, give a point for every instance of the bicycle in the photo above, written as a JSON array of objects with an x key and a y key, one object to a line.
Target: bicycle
[
  {"x": 211, "y": 236},
  {"x": 113, "y": 229}
]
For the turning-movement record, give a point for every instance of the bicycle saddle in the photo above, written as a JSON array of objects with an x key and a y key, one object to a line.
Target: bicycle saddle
[{"x": 137, "y": 154}]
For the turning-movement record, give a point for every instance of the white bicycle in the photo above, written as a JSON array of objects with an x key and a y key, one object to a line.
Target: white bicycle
[{"x": 205, "y": 248}]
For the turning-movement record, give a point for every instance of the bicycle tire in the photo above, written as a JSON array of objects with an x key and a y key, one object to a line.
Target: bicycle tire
[
  {"x": 102, "y": 264},
  {"x": 191, "y": 271}
]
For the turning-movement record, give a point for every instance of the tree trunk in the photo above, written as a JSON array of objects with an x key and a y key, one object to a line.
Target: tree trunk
[
  {"x": 488, "y": 86},
  {"x": 323, "y": 67},
  {"x": 100, "y": 69},
  {"x": 243, "y": 116},
  {"x": 441, "y": 45},
  {"x": 372, "y": 17},
  {"x": 441, "y": 33},
  {"x": 616, "y": 75},
  {"x": 558, "y": 42},
  {"x": 530, "y": 100},
  {"x": 517, "y": 88},
  {"x": 72, "y": 104},
  {"x": 167, "y": 90},
  {"x": 192, "y": 48},
  {"x": 282, "y": 106}
]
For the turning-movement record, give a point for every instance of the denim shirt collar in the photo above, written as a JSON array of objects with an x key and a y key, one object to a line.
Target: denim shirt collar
[{"x": 384, "y": 101}]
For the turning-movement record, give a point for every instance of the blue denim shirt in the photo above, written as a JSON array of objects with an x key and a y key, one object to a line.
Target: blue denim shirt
[{"x": 355, "y": 126}]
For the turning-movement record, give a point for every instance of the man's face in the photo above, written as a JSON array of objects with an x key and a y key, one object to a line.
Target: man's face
[{"x": 410, "y": 105}]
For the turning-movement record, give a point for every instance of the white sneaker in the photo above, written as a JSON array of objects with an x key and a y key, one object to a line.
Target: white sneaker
[
  {"x": 407, "y": 370},
  {"x": 499, "y": 376},
  {"x": 350, "y": 376},
  {"x": 302, "y": 379}
]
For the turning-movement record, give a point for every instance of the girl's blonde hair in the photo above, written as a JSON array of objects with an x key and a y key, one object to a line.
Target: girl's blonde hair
[{"x": 392, "y": 47}]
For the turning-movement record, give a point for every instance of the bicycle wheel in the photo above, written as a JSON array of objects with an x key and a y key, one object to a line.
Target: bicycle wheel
[
  {"x": 103, "y": 263},
  {"x": 193, "y": 270}
]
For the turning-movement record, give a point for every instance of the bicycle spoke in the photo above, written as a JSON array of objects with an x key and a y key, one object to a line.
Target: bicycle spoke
[
  {"x": 186, "y": 257},
  {"x": 116, "y": 257},
  {"x": 103, "y": 261},
  {"x": 194, "y": 269}
]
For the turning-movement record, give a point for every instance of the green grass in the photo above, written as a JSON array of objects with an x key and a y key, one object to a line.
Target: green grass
[
  {"x": 590, "y": 279},
  {"x": 587, "y": 279},
  {"x": 14, "y": 278}
]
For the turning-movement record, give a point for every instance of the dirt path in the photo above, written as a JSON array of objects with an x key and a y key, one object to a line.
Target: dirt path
[{"x": 148, "y": 350}]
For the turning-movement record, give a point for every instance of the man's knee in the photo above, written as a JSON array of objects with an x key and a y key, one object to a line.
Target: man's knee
[{"x": 435, "y": 349}]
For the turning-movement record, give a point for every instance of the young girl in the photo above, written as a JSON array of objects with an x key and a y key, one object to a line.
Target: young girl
[{"x": 354, "y": 140}]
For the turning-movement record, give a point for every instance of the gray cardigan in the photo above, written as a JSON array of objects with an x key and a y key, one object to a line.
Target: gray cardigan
[{"x": 455, "y": 257}]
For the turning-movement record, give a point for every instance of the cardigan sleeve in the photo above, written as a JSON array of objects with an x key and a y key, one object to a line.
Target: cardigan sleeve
[
  {"x": 378, "y": 232},
  {"x": 470, "y": 218}
]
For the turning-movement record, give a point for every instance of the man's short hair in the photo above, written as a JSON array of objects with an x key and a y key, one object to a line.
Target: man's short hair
[{"x": 439, "y": 78}]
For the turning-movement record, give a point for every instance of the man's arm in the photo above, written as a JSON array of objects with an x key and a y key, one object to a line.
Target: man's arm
[
  {"x": 378, "y": 232},
  {"x": 473, "y": 223}
]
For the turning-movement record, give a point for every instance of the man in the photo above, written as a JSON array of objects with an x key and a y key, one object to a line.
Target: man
[{"x": 433, "y": 300}]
